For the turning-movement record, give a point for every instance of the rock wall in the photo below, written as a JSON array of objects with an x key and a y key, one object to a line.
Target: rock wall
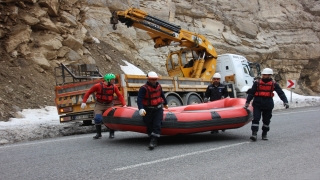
[{"x": 283, "y": 35}]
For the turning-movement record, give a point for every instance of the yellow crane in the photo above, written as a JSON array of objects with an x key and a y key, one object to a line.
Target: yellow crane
[{"x": 196, "y": 59}]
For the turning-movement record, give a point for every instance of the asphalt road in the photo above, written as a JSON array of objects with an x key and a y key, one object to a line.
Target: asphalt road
[{"x": 292, "y": 152}]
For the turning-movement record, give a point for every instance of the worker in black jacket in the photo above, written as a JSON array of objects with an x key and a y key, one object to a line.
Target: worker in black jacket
[
  {"x": 215, "y": 91},
  {"x": 262, "y": 95}
]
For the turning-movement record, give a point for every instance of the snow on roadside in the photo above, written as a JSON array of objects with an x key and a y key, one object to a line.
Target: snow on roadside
[
  {"x": 38, "y": 124},
  {"x": 29, "y": 117},
  {"x": 297, "y": 100}
]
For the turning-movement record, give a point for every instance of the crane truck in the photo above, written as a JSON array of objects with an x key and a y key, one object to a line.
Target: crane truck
[
  {"x": 197, "y": 58},
  {"x": 189, "y": 70}
]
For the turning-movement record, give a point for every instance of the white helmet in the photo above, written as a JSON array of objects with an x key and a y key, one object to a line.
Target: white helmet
[
  {"x": 267, "y": 71},
  {"x": 152, "y": 75},
  {"x": 216, "y": 75}
]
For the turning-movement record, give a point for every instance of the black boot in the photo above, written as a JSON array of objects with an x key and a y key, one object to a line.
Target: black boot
[
  {"x": 98, "y": 135},
  {"x": 153, "y": 142},
  {"x": 253, "y": 137},
  {"x": 264, "y": 135},
  {"x": 111, "y": 134},
  {"x": 214, "y": 132}
]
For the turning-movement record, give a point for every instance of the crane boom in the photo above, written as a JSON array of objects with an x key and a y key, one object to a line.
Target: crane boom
[
  {"x": 163, "y": 33},
  {"x": 203, "y": 59}
]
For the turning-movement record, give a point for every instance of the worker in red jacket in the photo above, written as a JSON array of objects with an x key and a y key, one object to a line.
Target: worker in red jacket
[{"x": 104, "y": 100}]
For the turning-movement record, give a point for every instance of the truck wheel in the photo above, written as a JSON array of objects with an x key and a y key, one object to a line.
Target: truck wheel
[
  {"x": 193, "y": 99},
  {"x": 173, "y": 101}
]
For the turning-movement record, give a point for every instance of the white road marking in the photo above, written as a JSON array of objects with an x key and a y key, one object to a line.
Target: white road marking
[
  {"x": 179, "y": 156},
  {"x": 63, "y": 138},
  {"x": 41, "y": 142},
  {"x": 294, "y": 112}
]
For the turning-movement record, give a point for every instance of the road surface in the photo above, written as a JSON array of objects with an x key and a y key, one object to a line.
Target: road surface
[{"x": 292, "y": 152}]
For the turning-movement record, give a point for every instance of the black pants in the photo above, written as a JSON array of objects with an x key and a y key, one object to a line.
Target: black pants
[
  {"x": 266, "y": 118},
  {"x": 153, "y": 120}
]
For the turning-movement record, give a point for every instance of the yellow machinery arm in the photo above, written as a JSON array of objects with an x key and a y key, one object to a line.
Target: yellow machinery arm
[{"x": 165, "y": 34}]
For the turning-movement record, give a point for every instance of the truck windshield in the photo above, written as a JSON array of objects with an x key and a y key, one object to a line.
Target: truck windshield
[
  {"x": 187, "y": 56},
  {"x": 173, "y": 61},
  {"x": 247, "y": 70}
]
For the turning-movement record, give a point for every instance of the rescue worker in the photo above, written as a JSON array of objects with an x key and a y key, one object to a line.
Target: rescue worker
[
  {"x": 215, "y": 91},
  {"x": 151, "y": 101},
  {"x": 104, "y": 100},
  {"x": 262, "y": 94}
]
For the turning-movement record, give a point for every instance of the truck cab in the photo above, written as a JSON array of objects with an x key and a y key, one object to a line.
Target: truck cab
[{"x": 235, "y": 69}]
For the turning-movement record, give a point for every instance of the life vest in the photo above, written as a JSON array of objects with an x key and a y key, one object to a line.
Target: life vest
[
  {"x": 106, "y": 93},
  {"x": 265, "y": 89},
  {"x": 153, "y": 96}
]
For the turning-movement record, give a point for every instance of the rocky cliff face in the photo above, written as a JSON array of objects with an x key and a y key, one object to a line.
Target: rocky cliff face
[{"x": 36, "y": 35}]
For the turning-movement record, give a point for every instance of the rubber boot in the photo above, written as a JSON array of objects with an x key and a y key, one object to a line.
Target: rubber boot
[
  {"x": 98, "y": 135},
  {"x": 253, "y": 137},
  {"x": 153, "y": 142},
  {"x": 214, "y": 132},
  {"x": 264, "y": 135},
  {"x": 111, "y": 134}
]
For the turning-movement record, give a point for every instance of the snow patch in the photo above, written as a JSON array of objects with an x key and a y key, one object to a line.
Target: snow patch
[
  {"x": 131, "y": 69},
  {"x": 96, "y": 40}
]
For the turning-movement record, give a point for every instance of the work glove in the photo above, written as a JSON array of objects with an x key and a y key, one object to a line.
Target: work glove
[
  {"x": 124, "y": 106},
  {"x": 83, "y": 105},
  {"x": 205, "y": 100},
  {"x": 246, "y": 106},
  {"x": 142, "y": 112},
  {"x": 166, "y": 106},
  {"x": 286, "y": 105}
]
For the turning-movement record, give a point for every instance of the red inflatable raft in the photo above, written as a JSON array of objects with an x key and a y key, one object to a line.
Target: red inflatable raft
[{"x": 218, "y": 115}]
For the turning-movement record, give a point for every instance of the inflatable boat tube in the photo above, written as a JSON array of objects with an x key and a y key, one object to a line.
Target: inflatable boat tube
[{"x": 222, "y": 114}]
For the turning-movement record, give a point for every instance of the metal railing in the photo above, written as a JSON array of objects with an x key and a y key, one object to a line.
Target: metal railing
[{"x": 65, "y": 74}]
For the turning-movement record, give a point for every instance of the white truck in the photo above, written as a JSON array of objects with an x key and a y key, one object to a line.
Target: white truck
[{"x": 237, "y": 70}]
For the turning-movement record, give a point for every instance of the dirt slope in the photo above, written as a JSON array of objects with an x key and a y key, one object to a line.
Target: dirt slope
[{"x": 25, "y": 85}]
